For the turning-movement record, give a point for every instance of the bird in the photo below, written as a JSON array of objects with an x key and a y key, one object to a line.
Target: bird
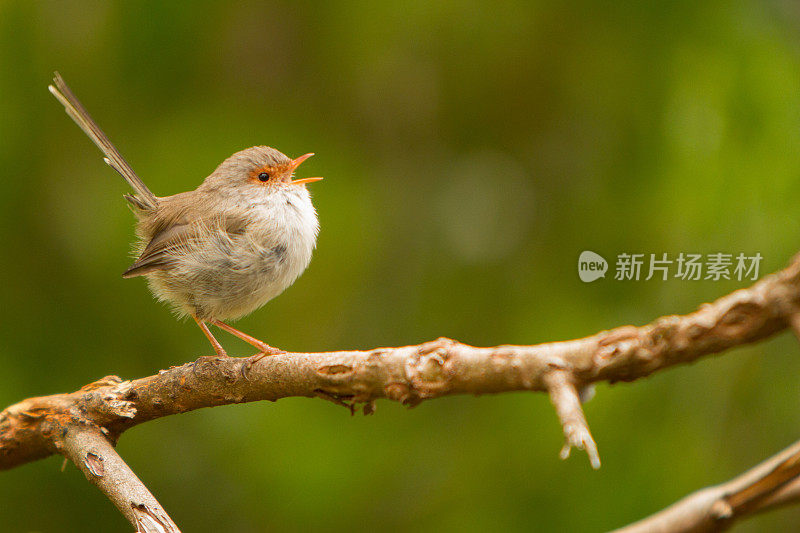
[{"x": 224, "y": 249}]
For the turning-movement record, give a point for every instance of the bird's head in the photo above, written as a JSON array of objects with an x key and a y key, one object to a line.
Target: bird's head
[{"x": 258, "y": 167}]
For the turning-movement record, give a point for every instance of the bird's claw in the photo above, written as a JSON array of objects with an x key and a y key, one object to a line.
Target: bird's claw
[{"x": 253, "y": 359}]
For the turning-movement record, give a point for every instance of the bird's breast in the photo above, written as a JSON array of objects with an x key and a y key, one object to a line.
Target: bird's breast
[
  {"x": 283, "y": 230},
  {"x": 276, "y": 247}
]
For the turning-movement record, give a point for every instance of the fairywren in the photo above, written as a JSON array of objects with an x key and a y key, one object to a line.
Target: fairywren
[{"x": 226, "y": 248}]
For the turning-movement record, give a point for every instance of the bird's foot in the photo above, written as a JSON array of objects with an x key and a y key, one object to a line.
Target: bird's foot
[
  {"x": 264, "y": 351},
  {"x": 253, "y": 359}
]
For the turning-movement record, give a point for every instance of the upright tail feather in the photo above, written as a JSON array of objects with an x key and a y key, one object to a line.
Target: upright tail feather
[{"x": 144, "y": 199}]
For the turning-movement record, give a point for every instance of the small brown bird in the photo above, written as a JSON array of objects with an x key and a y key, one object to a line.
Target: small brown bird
[{"x": 225, "y": 249}]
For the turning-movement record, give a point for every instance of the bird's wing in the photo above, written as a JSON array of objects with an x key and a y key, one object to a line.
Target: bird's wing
[
  {"x": 180, "y": 239},
  {"x": 156, "y": 255}
]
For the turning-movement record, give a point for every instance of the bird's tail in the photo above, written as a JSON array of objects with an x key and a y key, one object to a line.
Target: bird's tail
[{"x": 144, "y": 199}]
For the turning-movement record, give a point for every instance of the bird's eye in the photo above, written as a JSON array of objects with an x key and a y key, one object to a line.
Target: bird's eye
[{"x": 263, "y": 176}]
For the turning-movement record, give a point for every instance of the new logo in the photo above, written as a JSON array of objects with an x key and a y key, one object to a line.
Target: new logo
[{"x": 591, "y": 266}]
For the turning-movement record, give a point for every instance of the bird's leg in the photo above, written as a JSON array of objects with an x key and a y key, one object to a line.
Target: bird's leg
[
  {"x": 214, "y": 342},
  {"x": 262, "y": 346}
]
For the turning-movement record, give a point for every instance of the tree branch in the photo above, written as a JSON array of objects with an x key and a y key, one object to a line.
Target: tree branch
[
  {"x": 92, "y": 452},
  {"x": 34, "y": 428},
  {"x": 567, "y": 403},
  {"x": 773, "y": 483}
]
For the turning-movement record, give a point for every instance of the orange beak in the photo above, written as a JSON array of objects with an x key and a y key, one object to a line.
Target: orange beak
[{"x": 296, "y": 163}]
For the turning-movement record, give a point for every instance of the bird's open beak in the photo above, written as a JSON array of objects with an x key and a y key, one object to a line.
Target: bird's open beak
[{"x": 296, "y": 163}]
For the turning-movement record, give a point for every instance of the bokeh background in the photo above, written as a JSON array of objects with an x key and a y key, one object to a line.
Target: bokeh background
[{"x": 471, "y": 151}]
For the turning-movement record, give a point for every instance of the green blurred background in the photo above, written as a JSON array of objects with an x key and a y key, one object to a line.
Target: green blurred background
[{"x": 471, "y": 151}]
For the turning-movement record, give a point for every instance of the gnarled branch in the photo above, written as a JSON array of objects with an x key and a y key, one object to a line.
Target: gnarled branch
[{"x": 38, "y": 427}]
